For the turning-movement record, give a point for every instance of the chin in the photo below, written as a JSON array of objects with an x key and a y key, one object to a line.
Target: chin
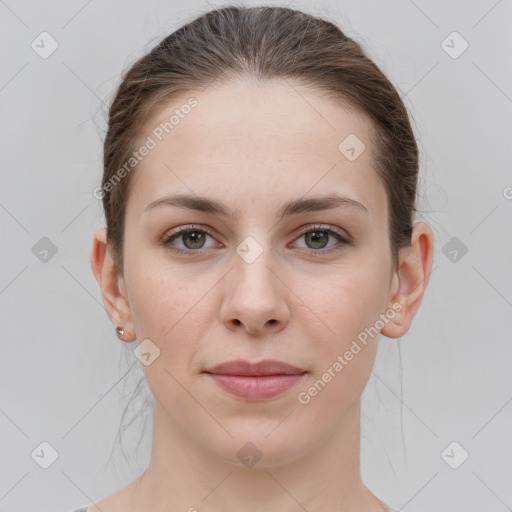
[{"x": 258, "y": 445}]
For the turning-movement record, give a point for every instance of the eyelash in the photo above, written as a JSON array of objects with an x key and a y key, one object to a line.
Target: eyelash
[{"x": 311, "y": 252}]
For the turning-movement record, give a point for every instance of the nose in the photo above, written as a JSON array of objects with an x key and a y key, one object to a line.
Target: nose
[{"x": 255, "y": 298}]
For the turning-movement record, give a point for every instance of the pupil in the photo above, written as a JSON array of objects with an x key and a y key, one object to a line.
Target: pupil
[{"x": 317, "y": 236}]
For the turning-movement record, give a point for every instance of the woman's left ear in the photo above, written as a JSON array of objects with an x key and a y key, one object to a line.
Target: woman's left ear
[{"x": 410, "y": 280}]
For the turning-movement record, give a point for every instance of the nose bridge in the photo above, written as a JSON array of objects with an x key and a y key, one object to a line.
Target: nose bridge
[{"x": 254, "y": 263}]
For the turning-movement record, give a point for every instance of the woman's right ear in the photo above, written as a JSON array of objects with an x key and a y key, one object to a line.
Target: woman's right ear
[{"x": 111, "y": 285}]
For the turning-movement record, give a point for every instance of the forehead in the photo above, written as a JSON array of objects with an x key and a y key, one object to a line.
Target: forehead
[{"x": 259, "y": 138}]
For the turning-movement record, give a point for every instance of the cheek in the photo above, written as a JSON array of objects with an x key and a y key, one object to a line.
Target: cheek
[
  {"x": 353, "y": 299},
  {"x": 163, "y": 297},
  {"x": 167, "y": 309},
  {"x": 345, "y": 357},
  {"x": 350, "y": 306}
]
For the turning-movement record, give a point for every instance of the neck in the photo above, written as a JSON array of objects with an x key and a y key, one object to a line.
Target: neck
[{"x": 184, "y": 476}]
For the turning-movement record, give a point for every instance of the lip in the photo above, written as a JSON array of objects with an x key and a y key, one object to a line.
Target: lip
[
  {"x": 255, "y": 381},
  {"x": 248, "y": 369}
]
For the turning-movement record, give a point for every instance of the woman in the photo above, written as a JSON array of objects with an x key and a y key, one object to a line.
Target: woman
[{"x": 259, "y": 192}]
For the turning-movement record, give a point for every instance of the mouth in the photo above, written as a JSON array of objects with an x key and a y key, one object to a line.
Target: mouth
[{"x": 255, "y": 381}]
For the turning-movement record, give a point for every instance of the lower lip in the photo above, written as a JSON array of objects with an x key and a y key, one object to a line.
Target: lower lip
[{"x": 256, "y": 387}]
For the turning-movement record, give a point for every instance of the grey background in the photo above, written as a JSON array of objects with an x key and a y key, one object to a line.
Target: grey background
[{"x": 64, "y": 376}]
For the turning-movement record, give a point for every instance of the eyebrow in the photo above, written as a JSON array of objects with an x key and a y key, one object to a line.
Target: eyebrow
[{"x": 296, "y": 206}]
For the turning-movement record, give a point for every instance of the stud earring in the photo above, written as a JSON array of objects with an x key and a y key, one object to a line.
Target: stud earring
[{"x": 119, "y": 331}]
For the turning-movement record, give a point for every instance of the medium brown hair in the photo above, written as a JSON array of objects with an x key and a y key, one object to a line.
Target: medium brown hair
[{"x": 263, "y": 43}]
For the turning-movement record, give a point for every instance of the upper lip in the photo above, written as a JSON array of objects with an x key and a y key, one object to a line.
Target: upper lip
[{"x": 246, "y": 368}]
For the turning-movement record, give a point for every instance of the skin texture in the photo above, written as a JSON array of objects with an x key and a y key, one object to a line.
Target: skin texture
[{"x": 253, "y": 147}]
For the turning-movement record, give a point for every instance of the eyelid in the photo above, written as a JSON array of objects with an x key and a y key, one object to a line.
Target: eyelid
[
  {"x": 326, "y": 227},
  {"x": 185, "y": 228}
]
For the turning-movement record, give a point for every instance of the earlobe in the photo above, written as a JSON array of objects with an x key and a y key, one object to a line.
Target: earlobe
[
  {"x": 111, "y": 285},
  {"x": 410, "y": 280}
]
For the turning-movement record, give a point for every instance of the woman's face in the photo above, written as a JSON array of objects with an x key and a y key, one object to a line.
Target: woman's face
[{"x": 259, "y": 280}]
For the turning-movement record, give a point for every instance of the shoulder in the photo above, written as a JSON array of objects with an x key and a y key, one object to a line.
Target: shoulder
[{"x": 119, "y": 501}]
